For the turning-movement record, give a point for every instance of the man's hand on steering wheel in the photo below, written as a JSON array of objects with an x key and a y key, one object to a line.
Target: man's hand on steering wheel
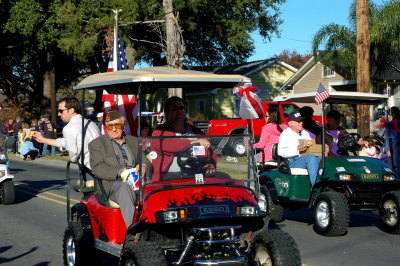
[{"x": 202, "y": 142}]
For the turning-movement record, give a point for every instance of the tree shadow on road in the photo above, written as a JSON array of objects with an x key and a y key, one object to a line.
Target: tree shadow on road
[
  {"x": 6, "y": 248},
  {"x": 27, "y": 189}
]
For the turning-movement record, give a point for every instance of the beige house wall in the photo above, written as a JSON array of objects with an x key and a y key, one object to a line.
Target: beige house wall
[{"x": 271, "y": 79}]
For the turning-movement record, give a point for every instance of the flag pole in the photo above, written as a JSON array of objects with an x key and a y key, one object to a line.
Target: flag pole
[{"x": 115, "y": 42}]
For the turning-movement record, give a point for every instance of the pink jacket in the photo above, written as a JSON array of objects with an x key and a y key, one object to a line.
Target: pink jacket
[{"x": 269, "y": 136}]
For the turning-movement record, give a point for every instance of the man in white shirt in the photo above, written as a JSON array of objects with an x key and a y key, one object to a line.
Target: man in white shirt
[
  {"x": 289, "y": 146},
  {"x": 69, "y": 109}
]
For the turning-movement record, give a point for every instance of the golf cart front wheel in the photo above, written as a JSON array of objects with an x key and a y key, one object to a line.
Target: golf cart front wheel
[
  {"x": 274, "y": 247},
  {"x": 143, "y": 253},
  {"x": 389, "y": 212},
  {"x": 7, "y": 192},
  {"x": 331, "y": 214}
]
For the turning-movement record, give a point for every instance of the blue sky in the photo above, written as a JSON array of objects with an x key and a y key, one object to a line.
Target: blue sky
[{"x": 302, "y": 19}]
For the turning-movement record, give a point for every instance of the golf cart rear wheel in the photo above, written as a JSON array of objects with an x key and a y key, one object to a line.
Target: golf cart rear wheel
[
  {"x": 331, "y": 214},
  {"x": 75, "y": 252},
  {"x": 7, "y": 192},
  {"x": 143, "y": 253},
  {"x": 274, "y": 247},
  {"x": 390, "y": 211},
  {"x": 276, "y": 211}
]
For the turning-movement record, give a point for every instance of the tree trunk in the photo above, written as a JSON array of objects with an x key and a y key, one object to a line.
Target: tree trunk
[
  {"x": 49, "y": 101},
  {"x": 363, "y": 66},
  {"x": 174, "y": 43}
]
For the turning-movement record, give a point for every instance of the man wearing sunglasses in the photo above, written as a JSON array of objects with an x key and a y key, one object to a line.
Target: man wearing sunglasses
[
  {"x": 111, "y": 155},
  {"x": 69, "y": 110}
]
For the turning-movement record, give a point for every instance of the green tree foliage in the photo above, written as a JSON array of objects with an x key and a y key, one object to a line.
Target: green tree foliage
[
  {"x": 339, "y": 42},
  {"x": 74, "y": 36}
]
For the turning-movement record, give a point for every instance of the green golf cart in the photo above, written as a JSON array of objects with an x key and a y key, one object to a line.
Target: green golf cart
[{"x": 343, "y": 184}]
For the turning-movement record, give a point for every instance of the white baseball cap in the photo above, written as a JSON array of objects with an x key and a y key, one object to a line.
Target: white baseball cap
[{"x": 99, "y": 114}]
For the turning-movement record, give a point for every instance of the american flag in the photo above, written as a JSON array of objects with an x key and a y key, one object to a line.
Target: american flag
[
  {"x": 126, "y": 104},
  {"x": 321, "y": 95}
]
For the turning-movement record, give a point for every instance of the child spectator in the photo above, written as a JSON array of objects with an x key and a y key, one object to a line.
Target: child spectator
[
  {"x": 368, "y": 148},
  {"x": 27, "y": 148}
]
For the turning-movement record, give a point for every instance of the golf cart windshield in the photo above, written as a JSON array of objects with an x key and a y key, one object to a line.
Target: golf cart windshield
[{"x": 181, "y": 160}]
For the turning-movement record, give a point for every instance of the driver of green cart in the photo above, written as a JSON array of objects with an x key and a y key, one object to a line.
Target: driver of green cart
[
  {"x": 334, "y": 133},
  {"x": 164, "y": 151}
]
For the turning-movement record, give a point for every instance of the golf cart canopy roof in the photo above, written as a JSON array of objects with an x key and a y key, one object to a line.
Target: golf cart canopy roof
[
  {"x": 348, "y": 97},
  {"x": 128, "y": 81}
]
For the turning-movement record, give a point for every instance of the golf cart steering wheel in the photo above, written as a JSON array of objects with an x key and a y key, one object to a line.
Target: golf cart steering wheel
[
  {"x": 192, "y": 163},
  {"x": 349, "y": 142}
]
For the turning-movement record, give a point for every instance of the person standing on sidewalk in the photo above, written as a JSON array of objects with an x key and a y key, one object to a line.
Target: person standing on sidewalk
[
  {"x": 69, "y": 110},
  {"x": 47, "y": 130}
]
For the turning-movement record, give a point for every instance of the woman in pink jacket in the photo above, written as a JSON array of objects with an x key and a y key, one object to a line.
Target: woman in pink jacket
[{"x": 269, "y": 135}]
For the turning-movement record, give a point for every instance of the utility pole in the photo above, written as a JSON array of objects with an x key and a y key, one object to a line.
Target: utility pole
[
  {"x": 363, "y": 65},
  {"x": 174, "y": 43}
]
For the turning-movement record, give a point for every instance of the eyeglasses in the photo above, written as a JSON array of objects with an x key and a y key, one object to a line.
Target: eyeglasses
[
  {"x": 116, "y": 125},
  {"x": 177, "y": 108},
  {"x": 62, "y": 110}
]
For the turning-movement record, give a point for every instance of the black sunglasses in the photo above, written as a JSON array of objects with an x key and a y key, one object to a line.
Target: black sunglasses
[{"x": 62, "y": 110}]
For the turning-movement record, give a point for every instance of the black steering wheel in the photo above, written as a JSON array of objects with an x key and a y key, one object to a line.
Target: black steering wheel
[
  {"x": 349, "y": 142},
  {"x": 192, "y": 163}
]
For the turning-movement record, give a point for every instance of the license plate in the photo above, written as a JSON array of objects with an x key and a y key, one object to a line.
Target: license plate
[{"x": 369, "y": 176}]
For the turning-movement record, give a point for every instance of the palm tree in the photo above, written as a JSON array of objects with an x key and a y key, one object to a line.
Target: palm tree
[{"x": 339, "y": 42}]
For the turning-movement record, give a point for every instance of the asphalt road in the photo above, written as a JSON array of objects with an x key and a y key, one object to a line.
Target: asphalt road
[{"x": 31, "y": 230}]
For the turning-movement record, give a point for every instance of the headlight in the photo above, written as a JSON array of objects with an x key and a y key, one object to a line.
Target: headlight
[
  {"x": 3, "y": 173},
  {"x": 262, "y": 203},
  {"x": 344, "y": 177},
  {"x": 246, "y": 211},
  {"x": 175, "y": 216},
  {"x": 389, "y": 178}
]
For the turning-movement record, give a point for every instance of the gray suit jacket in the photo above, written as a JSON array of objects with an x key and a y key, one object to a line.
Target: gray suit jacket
[{"x": 103, "y": 160}]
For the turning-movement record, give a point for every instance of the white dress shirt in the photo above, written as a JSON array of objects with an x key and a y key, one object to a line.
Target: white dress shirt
[
  {"x": 72, "y": 138},
  {"x": 289, "y": 142}
]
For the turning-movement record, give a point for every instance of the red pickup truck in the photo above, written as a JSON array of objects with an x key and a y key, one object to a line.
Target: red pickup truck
[{"x": 238, "y": 126}]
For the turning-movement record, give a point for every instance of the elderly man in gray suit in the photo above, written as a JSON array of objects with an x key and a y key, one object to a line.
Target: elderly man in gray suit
[{"x": 110, "y": 155}]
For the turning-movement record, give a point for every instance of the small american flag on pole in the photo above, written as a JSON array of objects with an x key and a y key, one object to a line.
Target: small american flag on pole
[
  {"x": 321, "y": 95},
  {"x": 126, "y": 104}
]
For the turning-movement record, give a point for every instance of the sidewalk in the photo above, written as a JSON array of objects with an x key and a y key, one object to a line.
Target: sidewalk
[{"x": 47, "y": 161}]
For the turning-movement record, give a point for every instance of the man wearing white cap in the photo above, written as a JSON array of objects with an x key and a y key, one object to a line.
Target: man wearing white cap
[{"x": 289, "y": 146}]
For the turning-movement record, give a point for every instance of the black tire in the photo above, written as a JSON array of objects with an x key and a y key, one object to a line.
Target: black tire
[
  {"x": 75, "y": 250},
  {"x": 276, "y": 212},
  {"x": 143, "y": 253},
  {"x": 331, "y": 214},
  {"x": 389, "y": 212},
  {"x": 274, "y": 247},
  {"x": 7, "y": 192}
]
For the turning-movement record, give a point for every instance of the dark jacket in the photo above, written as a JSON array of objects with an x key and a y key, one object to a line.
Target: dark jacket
[{"x": 103, "y": 160}]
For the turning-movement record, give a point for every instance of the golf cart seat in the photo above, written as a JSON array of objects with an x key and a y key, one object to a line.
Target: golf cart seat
[
  {"x": 102, "y": 196},
  {"x": 262, "y": 166},
  {"x": 283, "y": 164}
]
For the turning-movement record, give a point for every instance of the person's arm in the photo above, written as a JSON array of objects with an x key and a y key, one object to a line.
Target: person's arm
[
  {"x": 41, "y": 139},
  {"x": 371, "y": 151},
  {"x": 263, "y": 139}
]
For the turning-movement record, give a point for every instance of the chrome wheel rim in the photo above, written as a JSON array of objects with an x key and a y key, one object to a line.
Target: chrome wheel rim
[
  {"x": 391, "y": 212},
  {"x": 262, "y": 255},
  {"x": 240, "y": 148},
  {"x": 322, "y": 214},
  {"x": 70, "y": 249}
]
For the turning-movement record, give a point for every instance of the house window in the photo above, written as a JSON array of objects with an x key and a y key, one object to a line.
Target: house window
[
  {"x": 328, "y": 72},
  {"x": 201, "y": 106}
]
